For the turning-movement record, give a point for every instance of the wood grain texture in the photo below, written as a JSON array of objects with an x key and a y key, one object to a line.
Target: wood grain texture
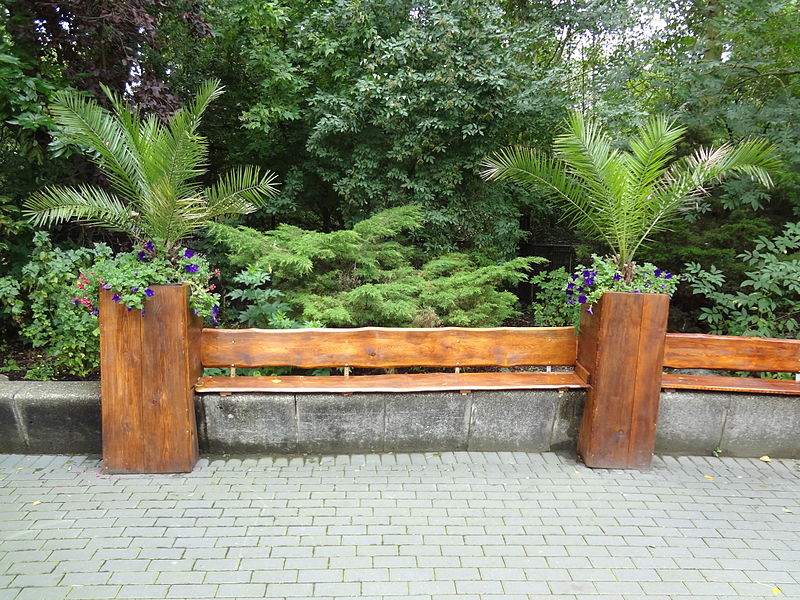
[
  {"x": 697, "y": 351},
  {"x": 623, "y": 345},
  {"x": 388, "y": 347},
  {"x": 120, "y": 387},
  {"x": 392, "y": 383},
  {"x": 714, "y": 383},
  {"x": 168, "y": 418},
  {"x": 147, "y": 373}
]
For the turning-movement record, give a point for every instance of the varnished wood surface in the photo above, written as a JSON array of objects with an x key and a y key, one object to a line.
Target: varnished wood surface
[
  {"x": 698, "y": 351},
  {"x": 424, "y": 382},
  {"x": 147, "y": 372},
  {"x": 714, "y": 383},
  {"x": 120, "y": 387},
  {"x": 380, "y": 347},
  {"x": 621, "y": 347}
]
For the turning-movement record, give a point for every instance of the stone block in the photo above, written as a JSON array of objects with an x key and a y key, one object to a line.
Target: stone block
[
  {"x": 331, "y": 423},
  {"x": 12, "y": 440},
  {"x": 248, "y": 423},
  {"x": 417, "y": 422},
  {"x": 567, "y": 422},
  {"x": 691, "y": 422},
  {"x": 512, "y": 420},
  {"x": 61, "y": 417},
  {"x": 760, "y": 424}
]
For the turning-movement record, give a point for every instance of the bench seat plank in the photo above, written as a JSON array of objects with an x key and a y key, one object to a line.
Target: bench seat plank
[
  {"x": 716, "y": 383},
  {"x": 425, "y": 382}
]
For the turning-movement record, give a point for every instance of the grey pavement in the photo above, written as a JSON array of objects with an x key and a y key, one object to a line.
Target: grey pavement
[{"x": 423, "y": 526}]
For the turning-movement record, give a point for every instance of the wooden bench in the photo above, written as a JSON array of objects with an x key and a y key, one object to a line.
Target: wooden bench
[
  {"x": 731, "y": 353},
  {"x": 392, "y": 348}
]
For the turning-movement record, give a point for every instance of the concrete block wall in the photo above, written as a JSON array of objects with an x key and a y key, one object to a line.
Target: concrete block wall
[
  {"x": 64, "y": 417},
  {"x": 530, "y": 421}
]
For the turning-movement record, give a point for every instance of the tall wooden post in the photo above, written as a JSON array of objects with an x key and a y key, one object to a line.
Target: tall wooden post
[
  {"x": 148, "y": 366},
  {"x": 621, "y": 346}
]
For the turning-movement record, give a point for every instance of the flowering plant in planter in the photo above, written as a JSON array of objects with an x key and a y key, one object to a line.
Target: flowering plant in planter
[
  {"x": 587, "y": 284},
  {"x": 132, "y": 276}
]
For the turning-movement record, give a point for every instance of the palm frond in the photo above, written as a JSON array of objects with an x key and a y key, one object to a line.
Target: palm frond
[
  {"x": 240, "y": 191},
  {"x": 531, "y": 168},
  {"x": 86, "y": 204},
  {"x": 95, "y": 128}
]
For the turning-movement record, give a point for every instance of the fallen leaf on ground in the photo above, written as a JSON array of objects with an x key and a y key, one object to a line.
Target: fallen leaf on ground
[
  {"x": 709, "y": 477},
  {"x": 35, "y": 502},
  {"x": 765, "y": 458}
]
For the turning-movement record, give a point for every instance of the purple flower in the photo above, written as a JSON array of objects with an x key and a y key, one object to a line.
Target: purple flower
[
  {"x": 75, "y": 301},
  {"x": 657, "y": 272},
  {"x": 648, "y": 284},
  {"x": 142, "y": 312},
  {"x": 95, "y": 312},
  {"x": 570, "y": 286},
  {"x": 589, "y": 310},
  {"x": 191, "y": 268},
  {"x": 214, "y": 320},
  {"x": 107, "y": 286},
  {"x": 574, "y": 276},
  {"x": 215, "y": 311},
  {"x": 586, "y": 273},
  {"x": 128, "y": 308},
  {"x": 148, "y": 292},
  {"x": 569, "y": 293},
  {"x": 582, "y": 299},
  {"x": 616, "y": 277},
  {"x": 188, "y": 253},
  {"x": 135, "y": 288},
  {"x": 116, "y": 298},
  {"x": 668, "y": 276},
  {"x": 141, "y": 256},
  {"x": 589, "y": 282},
  {"x": 572, "y": 300},
  {"x": 149, "y": 246}
]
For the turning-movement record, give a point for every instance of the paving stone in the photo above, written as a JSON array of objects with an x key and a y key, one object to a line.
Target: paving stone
[{"x": 454, "y": 525}]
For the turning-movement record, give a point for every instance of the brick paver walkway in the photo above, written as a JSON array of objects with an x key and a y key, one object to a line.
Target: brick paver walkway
[{"x": 427, "y": 526}]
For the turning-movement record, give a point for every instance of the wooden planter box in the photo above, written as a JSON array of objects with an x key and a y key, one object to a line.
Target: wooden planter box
[
  {"x": 148, "y": 365},
  {"x": 621, "y": 346}
]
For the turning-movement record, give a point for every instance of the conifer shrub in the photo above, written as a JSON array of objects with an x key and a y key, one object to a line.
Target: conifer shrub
[{"x": 373, "y": 275}]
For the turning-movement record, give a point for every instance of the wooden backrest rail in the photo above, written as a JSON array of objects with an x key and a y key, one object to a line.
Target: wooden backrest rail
[
  {"x": 697, "y": 351},
  {"x": 381, "y": 347}
]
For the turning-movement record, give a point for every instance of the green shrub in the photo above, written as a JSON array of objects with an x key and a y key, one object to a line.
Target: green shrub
[
  {"x": 551, "y": 308},
  {"x": 368, "y": 275},
  {"x": 41, "y": 302},
  {"x": 256, "y": 305},
  {"x": 768, "y": 303}
]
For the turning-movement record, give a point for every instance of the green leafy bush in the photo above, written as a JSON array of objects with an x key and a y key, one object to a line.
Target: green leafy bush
[
  {"x": 368, "y": 276},
  {"x": 551, "y": 308},
  {"x": 40, "y": 302},
  {"x": 256, "y": 305},
  {"x": 768, "y": 303}
]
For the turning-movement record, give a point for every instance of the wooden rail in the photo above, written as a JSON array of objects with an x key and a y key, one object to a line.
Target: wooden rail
[
  {"x": 380, "y": 347},
  {"x": 697, "y": 351}
]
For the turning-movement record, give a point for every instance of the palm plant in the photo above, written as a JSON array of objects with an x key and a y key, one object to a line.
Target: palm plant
[
  {"x": 624, "y": 197},
  {"x": 153, "y": 170}
]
